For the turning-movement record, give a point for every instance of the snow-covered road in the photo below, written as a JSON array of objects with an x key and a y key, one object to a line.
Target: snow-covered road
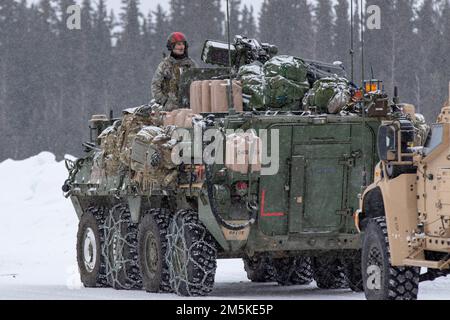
[{"x": 37, "y": 254}]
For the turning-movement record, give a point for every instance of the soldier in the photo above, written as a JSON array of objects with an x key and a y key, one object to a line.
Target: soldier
[{"x": 166, "y": 80}]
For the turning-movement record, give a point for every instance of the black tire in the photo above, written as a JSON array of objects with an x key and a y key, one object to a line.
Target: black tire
[
  {"x": 152, "y": 247},
  {"x": 90, "y": 241},
  {"x": 391, "y": 283},
  {"x": 353, "y": 271},
  {"x": 259, "y": 268},
  {"x": 394, "y": 171},
  {"x": 329, "y": 272},
  {"x": 293, "y": 271},
  {"x": 121, "y": 249},
  {"x": 191, "y": 255}
]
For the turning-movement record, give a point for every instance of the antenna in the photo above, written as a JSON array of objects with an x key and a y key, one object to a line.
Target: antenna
[
  {"x": 396, "y": 98},
  {"x": 230, "y": 85},
  {"x": 362, "y": 43},
  {"x": 352, "y": 43},
  {"x": 363, "y": 108}
]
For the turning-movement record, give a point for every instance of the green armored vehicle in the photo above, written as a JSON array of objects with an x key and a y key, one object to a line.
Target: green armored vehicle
[{"x": 155, "y": 212}]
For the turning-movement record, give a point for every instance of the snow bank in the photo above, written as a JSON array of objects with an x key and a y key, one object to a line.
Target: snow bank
[{"x": 37, "y": 223}]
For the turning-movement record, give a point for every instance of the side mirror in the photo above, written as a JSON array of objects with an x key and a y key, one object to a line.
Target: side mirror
[{"x": 387, "y": 143}]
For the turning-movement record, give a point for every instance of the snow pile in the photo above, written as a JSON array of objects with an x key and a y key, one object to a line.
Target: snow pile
[{"x": 37, "y": 224}]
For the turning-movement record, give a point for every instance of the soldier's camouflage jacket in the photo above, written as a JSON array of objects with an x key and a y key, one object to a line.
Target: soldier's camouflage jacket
[{"x": 166, "y": 81}]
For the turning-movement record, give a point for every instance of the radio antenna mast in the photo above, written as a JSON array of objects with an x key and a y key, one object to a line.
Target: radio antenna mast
[
  {"x": 230, "y": 84},
  {"x": 363, "y": 107},
  {"x": 362, "y": 44},
  {"x": 352, "y": 44}
]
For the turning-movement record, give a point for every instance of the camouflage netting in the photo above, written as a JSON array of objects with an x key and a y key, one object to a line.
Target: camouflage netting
[
  {"x": 328, "y": 95},
  {"x": 279, "y": 83}
]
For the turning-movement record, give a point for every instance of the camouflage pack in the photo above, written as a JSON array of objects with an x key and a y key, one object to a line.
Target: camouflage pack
[
  {"x": 281, "y": 92},
  {"x": 279, "y": 83},
  {"x": 133, "y": 121},
  {"x": 328, "y": 95},
  {"x": 289, "y": 67},
  {"x": 253, "y": 85},
  {"x": 110, "y": 156},
  {"x": 151, "y": 156}
]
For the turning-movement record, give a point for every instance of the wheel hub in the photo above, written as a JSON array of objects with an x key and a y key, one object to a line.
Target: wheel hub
[
  {"x": 151, "y": 250},
  {"x": 89, "y": 250}
]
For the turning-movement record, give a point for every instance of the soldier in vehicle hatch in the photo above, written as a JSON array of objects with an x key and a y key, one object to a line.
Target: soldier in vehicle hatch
[{"x": 166, "y": 80}]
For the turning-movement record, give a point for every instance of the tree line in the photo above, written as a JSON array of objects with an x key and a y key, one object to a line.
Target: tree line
[{"x": 53, "y": 79}]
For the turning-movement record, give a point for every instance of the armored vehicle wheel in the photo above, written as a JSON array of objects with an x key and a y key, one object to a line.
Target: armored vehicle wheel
[
  {"x": 329, "y": 273},
  {"x": 353, "y": 271},
  {"x": 90, "y": 240},
  {"x": 259, "y": 268},
  {"x": 152, "y": 247},
  {"x": 121, "y": 249},
  {"x": 293, "y": 271},
  {"x": 381, "y": 280},
  {"x": 191, "y": 255}
]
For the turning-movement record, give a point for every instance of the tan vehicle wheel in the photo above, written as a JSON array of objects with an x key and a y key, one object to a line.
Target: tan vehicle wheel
[{"x": 382, "y": 281}]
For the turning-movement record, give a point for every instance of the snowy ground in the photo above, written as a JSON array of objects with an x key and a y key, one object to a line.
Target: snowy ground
[{"x": 37, "y": 257}]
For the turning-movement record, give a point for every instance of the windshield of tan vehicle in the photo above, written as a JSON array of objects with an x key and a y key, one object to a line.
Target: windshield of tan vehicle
[{"x": 434, "y": 138}]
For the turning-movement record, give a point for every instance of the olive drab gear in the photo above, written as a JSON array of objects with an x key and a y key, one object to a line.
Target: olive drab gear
[
  {"x": 165, "y": 83},
  {"x": 280, "y": 83},
  {"x": 328, "y": 95}
]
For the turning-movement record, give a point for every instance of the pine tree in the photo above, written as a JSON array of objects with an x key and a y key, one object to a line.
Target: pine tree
[
  {"x": 7, "y": 34},
  {"x": 248, "y": 24},
  {"x": 203, "y": 19},
  {"x": 342, "y": 33},
  {"x": 294, "y": 35},
  {"x": 161, "y": 31},
  {"x": 404, "y": 62},
  {"x": 443, "y": 63},
  {"x": 379, "y": 45},
  {"x": 324, "y": 31},
  {"x": 427, "y": 70},
  {"x": 177, "y": 14},
  {"x": 305, "y": 33},
  {"x": 131, "y": 81},
  {"x": 102, "y": 58},
  {"x": 236, "y": 18},
  {"x": 87, "y": 76},
  {"x": 267, "y": 22}
]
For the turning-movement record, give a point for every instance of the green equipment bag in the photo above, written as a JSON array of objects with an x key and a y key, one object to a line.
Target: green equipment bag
[
  {"x": 253, "y": 86},
  {"x": 280, "y": 83},
  {"x": 282, "y": 92},
  {"x": 289, "y": 67},
  {"x": 328, "y": 95}
]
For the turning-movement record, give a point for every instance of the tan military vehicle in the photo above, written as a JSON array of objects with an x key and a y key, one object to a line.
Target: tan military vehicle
[{"x": 405, "y": 214}]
